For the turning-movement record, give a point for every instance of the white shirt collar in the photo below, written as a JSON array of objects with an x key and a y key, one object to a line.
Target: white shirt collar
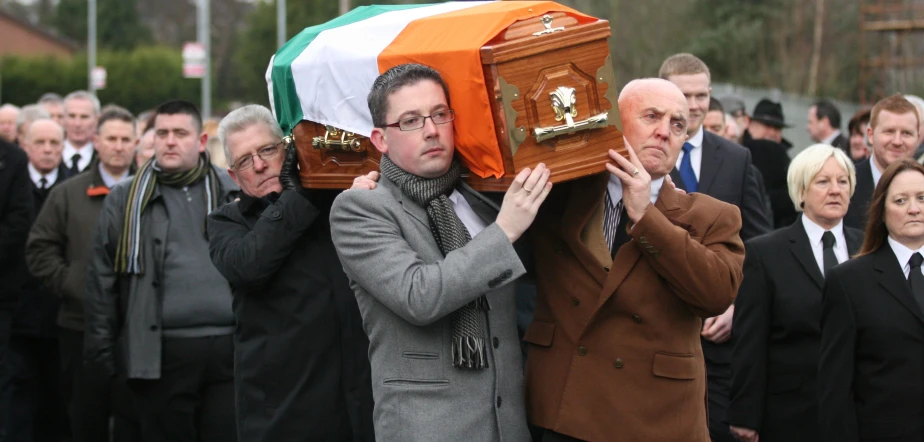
[
  {"x": 615, "y": 188},
  {"x": 903, "y": 255},
  {"x": 815, "y": 232},
  {"x": 472, "y": 222},
  {"x": 876, "y": 172},
  {"x": 831, "y": 137},
  {"x": 110, "y": 180},
  {"x": 697, "y": 139},
  {"x": 86, "y": 154},
  {"x": 37, "y": 176}
]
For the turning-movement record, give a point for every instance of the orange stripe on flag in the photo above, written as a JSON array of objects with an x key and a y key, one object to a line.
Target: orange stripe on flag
[{"x": 451, "y": 44}]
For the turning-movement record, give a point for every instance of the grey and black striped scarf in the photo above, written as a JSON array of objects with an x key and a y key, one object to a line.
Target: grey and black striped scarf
[
  {"x": 469, "y": 322},
  {"x": 128, "y": 251}
]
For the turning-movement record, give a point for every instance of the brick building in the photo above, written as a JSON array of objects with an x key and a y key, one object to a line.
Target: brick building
[{"x": 20, "y": 37}]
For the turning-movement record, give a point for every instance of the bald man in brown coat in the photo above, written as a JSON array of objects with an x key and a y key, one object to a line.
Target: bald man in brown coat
[{"x": 627, "y": 267}]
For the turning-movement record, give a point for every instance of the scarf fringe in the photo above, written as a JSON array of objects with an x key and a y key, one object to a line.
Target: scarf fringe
[{"x": 469, "y": 352}]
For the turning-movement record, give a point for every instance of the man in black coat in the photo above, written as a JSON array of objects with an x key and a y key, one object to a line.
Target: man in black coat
[
  {"x": 721, "y": 169},
  {"x": 16, "y": 208},
  {"x": 301, "y": 355},
  {"x": 764, "y": 139}
]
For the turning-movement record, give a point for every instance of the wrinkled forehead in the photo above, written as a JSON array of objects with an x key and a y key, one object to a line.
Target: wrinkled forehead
[{"x": 45, "y": 129}]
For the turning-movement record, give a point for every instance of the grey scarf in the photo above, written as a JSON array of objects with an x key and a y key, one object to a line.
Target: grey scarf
[{"x": 469, "y": 322}]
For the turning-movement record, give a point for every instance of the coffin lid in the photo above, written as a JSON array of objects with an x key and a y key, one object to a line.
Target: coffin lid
[{"x": 324, "y": 73}]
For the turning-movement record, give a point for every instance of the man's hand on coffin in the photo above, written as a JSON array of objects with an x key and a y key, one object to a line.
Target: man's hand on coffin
[
  {"x": 366, "y": 182},
  {"x": 288, "y": 176},
  {"x": 636, "y": 183},
  {"x": 522, "y": 201}
]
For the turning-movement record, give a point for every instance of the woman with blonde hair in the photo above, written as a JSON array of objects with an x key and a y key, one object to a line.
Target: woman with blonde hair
[{"x": 777, "y": 312}]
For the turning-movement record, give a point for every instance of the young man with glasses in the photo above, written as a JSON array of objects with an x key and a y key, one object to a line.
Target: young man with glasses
[
  {"x": 301, "y": 364},
  {"x": 431, "y": 262}
]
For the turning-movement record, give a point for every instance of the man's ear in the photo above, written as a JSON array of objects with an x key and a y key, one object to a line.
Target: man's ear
[
  {"x": 234, "y": 177},
  {"x": 203, "y": 140},
  {"x": 95, "y": 142},
  {"x": 378, "y": 140}
]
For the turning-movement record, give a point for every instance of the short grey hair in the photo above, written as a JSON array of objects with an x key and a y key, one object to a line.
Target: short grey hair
[
  {"x": 242, "y": 118},
  {"x": 9, "y": 106},
  {"x": 84, "y": 95},
  {"x": 50, "y": 97},
  {"x": 55, "y": 123},
  {"x": 808, "y": 163},
  {"x": 30, "y": 113}
]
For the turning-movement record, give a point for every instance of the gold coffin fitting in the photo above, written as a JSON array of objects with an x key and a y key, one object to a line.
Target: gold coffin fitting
[
  {"x": 564, "y": 103},
  {"x": 336, "y": 139}
]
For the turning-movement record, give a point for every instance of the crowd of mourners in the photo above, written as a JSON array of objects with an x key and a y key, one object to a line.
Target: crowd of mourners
[{"x": 167, "y": 277}]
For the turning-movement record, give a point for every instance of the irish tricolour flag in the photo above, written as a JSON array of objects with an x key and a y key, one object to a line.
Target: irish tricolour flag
[{"x": 325, "y": 72}]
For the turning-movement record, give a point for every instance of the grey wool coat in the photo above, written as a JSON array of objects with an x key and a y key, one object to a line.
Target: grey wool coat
[{"x": 406, "y": 290}]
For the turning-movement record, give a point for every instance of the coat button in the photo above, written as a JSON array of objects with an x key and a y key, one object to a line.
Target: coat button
[
  {"x": 275, "y": 214},
  {"x": 582, "y": 350},
  {"x": 154, "y": 328},
  {"x": 508, "y": 273},
  {"x": 617, "y": 363},
  {"x": 575, "y": 301},
  {"x": 607, "y": 269},
  {"x": 499, "y": 402},
  {"x": 157, "y": 241},
  {"x": 636, "y": 319},
  {"x": 496, "y": 342}
]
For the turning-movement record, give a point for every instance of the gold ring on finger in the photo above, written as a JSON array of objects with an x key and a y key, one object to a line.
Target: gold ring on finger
[
  {"x": 635, "y": 172},
  {"x": 528, "y": 192}
]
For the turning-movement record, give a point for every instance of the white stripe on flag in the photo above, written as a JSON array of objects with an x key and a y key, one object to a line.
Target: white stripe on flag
[{"x": 334, "y": 74}]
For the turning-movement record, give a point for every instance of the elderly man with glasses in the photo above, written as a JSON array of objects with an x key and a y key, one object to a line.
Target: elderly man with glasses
[{"x": 300, "y": 366}]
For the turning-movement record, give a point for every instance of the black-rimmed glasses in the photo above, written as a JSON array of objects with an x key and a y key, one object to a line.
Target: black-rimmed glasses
[{"x": 417, "y": 121}]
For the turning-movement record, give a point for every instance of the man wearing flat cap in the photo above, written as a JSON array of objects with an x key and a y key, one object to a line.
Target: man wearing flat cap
[{"x": 764, "y": 137}]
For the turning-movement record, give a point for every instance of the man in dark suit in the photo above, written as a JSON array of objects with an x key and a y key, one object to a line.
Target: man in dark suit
[
  {"x": 764, "y": 138},
  {"x": 893, "y": 132},
  {"x": 717, "y": 167},
  {"x": 81, "y": 111},
  {"x": 36, "y": 412},
  {"x": 773, "y": 390},
  {"x": 824, "y": 125},
  {"x": 15, "y": 217}
]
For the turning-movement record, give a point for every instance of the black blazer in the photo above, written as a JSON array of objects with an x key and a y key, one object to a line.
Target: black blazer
[
  {"x": 777, "y": 317},
  {"x": 772, "y": 161},
  {"x": 858, "y": 211},
  {"x": 841, "y": 143},
  {"x": 16, "y": 214},
  {"x": 871, "y": 373}
]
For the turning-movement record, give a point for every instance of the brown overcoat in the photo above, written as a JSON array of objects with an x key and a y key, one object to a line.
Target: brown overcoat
[{"x": 615, "y": 354}]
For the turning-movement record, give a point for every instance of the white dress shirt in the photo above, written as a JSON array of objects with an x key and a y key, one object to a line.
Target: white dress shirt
[
  {"x": 876, "y": 172},
  {"x": 614, "y": 186},
  {"x": 86, "y": 154},
  {"x": 831, "y": 138},
  {"x": 696, "y": 153},
  {"x": 473, "y": 223},
  {"x": 37, "y": 176},
  {"x": 903, "y": 254},
  {"x": 814, "y": 232},
  {"x": 109, "y": 179}
]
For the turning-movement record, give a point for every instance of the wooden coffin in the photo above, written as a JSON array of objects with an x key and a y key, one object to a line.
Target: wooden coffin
[{"x": 554, "y": 101}]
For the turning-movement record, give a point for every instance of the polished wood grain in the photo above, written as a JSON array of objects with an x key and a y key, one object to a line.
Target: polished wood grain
[{"x": 536, "y": 66}]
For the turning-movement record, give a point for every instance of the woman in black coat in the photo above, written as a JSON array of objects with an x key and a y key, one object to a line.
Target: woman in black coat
[
  {"x": 778, "y": 309},
  {"x": 871, "y": 374}
]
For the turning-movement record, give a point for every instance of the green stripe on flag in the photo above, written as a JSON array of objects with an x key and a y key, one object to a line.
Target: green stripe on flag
[{"x": 286, "y": 103}]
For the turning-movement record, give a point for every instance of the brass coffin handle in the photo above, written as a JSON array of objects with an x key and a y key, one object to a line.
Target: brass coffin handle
[
  {"x": 336, "y": 139},
  {"x": 564, "y": 103}
]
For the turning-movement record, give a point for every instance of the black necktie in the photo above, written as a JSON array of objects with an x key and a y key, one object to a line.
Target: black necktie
[
  {"x": 827, "y": 254},
  {"x": 43, "y": 183},
  {"x": 75, "y": 168},
  {"x": 916, "y": 279}
]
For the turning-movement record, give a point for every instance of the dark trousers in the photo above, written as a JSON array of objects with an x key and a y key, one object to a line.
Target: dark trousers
[
  {"x": 94, "y": 398},
  {"x": 6, "y": 325},
  {"x": 193, "y": 401},
  {"x": 718, "y": 377},
  {"x": 36, "y": 412}
]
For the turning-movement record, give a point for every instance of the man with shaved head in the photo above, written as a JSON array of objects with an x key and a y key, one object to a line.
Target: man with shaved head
[{"x": 627, "y": 267}]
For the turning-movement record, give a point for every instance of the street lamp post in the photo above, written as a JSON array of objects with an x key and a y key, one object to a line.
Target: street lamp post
[
  {"x": 202, "y": 16},
  {"x": 91, "y": 44},
  {"x": 280, "y": 23}
]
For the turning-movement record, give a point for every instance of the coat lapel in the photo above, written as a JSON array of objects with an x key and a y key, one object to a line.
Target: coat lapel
[
  {"x": 892, "y": 278},
  {"x": 710, "y": 165},
  {"x": 584, "y": 199},
  {"x": 669, "y": 201},
  {"x": 417, "y": 212},
  {"x": 802, "y": 251},
  {"x": 481, "y": 205}
]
